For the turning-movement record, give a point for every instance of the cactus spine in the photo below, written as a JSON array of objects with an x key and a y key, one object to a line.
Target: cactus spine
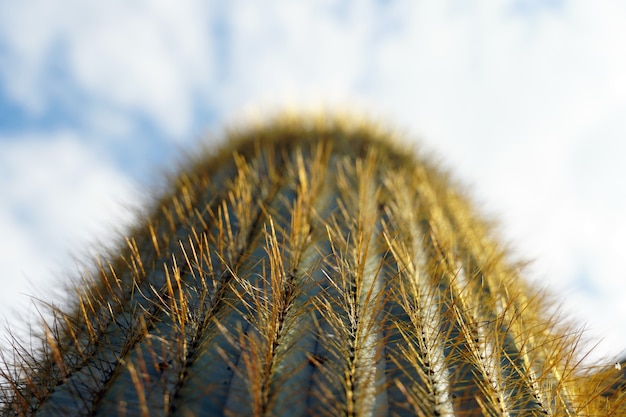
[{"x": 310, "y": 267}]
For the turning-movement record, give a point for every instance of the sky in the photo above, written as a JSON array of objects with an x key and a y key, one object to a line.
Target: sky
[{"x": 524, "y": 100}]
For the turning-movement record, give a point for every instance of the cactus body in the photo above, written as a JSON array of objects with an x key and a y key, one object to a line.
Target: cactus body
[{"x": 309, "y": 268}]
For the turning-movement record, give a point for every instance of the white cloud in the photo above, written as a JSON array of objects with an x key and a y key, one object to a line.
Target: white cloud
[
  {"x": 525, "y": 105},
  {"x": 300, "y": 50},
  {"x": 59, "y": 197},
  {"x": 140, "y": 58}
]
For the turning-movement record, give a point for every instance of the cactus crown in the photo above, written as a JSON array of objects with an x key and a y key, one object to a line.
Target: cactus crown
[{"x": 310, "y": 266}]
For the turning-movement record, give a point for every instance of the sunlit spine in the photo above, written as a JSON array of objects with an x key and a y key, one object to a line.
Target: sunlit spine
[{"x": 311, "y": 266}]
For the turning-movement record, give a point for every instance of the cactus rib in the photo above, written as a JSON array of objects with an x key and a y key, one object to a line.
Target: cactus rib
[{"x": 311, "y": 266}]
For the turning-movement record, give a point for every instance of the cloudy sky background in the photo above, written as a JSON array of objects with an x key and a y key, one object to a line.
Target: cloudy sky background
[{"x": 524, "y": 99}]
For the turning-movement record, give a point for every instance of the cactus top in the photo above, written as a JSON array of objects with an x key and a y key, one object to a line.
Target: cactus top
[{"x": 311, "y": 266}]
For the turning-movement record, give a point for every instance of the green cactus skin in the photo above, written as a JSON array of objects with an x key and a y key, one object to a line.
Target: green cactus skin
[{"x": 312, "y": 266}]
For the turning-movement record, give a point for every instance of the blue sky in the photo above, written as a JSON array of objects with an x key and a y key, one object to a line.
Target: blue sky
[{"x": 523, "y": 100}]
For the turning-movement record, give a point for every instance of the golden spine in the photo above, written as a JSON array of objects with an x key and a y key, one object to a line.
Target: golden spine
[{"x": 309, "y": 267}]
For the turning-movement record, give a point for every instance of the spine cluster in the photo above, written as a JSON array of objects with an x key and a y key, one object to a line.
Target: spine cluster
[{"x": 309, "y": 267}]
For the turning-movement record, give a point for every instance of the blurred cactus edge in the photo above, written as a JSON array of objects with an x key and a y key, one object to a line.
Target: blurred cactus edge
[{"x": 310, "y": 265}]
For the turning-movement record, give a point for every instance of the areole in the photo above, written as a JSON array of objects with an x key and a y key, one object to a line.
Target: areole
[{"x": 310, "y": 266}]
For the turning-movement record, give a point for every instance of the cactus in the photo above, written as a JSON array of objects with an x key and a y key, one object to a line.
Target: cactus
[{"x": 311, "y": 266}]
